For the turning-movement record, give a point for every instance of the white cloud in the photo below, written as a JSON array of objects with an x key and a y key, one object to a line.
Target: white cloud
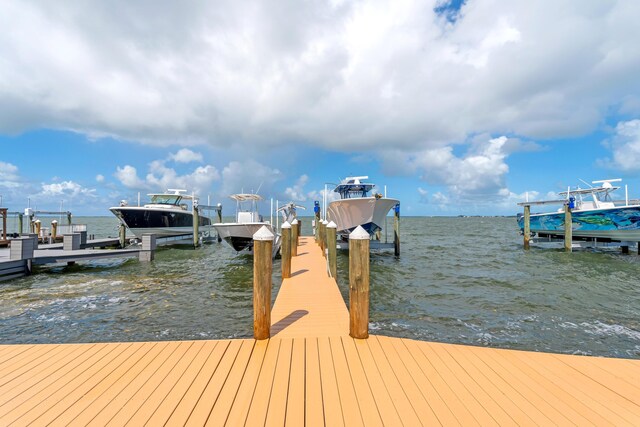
[
  {"x": 346, "y": 75},
  {"x": 625, "y": 147},
  {"x": 296, "y": 192},
  {"x": 100, "y": 178},
  {"x": 249, "y": 176},
  {"x": 128, "y": 176},
  {"x": 9, "y": 177},
  {"x": 185, "y": 155},
  {"x": 424, "y": 195},
  {"x": 68, "y": 189}
]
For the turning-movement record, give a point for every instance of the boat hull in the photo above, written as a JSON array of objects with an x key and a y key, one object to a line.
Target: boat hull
[
  {"x": 161, "y": 222},
  {"x": 368, "y": 212},
  {"x": 240, "y": 235},
  {"x": 617, "y": 224}
]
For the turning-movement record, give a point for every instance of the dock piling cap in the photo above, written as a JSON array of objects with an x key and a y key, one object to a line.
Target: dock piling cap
[
  {"x": 286, "y": 224},
  {"x": 295, "y": 221},
  {"x": 332, "y": 225},
  {"x": 359, "y": 234},
  {"x": 263, "y": 234}
]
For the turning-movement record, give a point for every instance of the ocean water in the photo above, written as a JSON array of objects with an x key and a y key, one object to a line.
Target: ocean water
[{"x": 458, "y": 280}]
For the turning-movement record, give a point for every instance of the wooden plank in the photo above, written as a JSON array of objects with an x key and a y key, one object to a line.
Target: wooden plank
[
  {"x": 18, "y": 366},
  {"x": 456, "y": 405},
  {"x": 607, "y": 403},
  {"x": 351, "y": 410},
  {"x": 222, "y": 407},
  {"x": 242, "y": 400},
  {"x": 334, "y": 413},
  {"x": 262, "y": 393},
  {"x": 105, "y": 391},
  {"x": 276, "y": 413},
  {"x": 46, "y": 373},
  {"x": 191, "y": 396},
  {"x": 8, "y": 352},
  {"x": 49, "y": 403},
  {"x": 127, "y": 403},
  {"x": 190, "y": 383},
  {"x": 313, "y": 410},
  {"x": 296, "y": 398},
  {"x": 372, "y": 358},
  {"x": 211, "y": 392},
  {"x": 371, "y": 412},
  {"x": 153, "y": 401},
  {"x": 478, "y": 385}
]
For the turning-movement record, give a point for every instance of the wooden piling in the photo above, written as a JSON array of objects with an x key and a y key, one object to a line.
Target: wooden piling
[
  {"x": 54, "y": 230},
  {"x": 396, "y": 229},
  {"x": 4, "y": 223},
  {"x": 37, "y": 227},
  {"x": 285, "y": 250},
  {"x": 527, "y": 226},
  {"x": 219, "y": 212},
  {"x": 299, "y": 230},
  {"x": 332, "y": 249},
  {"x": 316, "y": 210},
  {"x": 359, "y": 283},
  {"x": 294, "y": 237},
  {"x": 323, "y": 236},
  {"x": 262, "y": 269},
  {"x": 69, "y": 218},
  {"x": 20, "y": 223},
  {"x": 568, "y": 232},
  {"x": 196, "y": 227},
  {"x": 624, "y": 249},
  {"x": 122, "y": 235}
]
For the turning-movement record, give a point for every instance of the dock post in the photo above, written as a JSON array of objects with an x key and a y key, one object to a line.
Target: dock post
[
  {"x": 69, "y": 218},
  {"x": 262, "y": 269},
  {"x": 396, "y": 229},
  {"x": 285, "y": 250},
  {"x": 4, "y": 223},
  {"x": 294, "y": 237},
  {"x": 322, "y": 236},
  {"x": 359, "y": 283},
  {"x": 527, "y": 225},
  {"x": 38, "y": 226},
  {"x": 71, "y": 242},
  {"x": 219, "y": 211},
  {"x": 122, "y": 234},
  {"x": 196, "y": 225},
  {"x": 625, "y": 249},
  {"x": 316, "y": 210},
  {"x": 147, "y": 253},
  {"x": 21, "y": 249},
  {"x": 20, "y": 224},
  {"x": 54, "y": 230},
  {"x": 568, "y": 232},
  {"x": 332, "y": 249},
  {"x": 299, "y": 229}
]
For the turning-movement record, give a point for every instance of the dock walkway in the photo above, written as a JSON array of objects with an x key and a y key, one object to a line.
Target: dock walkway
[{"x": 311, "y": 373}]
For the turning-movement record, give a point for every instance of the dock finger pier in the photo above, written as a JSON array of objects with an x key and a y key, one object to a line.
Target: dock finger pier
[{"x": 312, "y": 362}]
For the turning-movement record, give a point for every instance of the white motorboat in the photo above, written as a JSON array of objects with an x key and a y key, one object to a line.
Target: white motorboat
[
  {"x": 239, "y": 234},
  {"x": 594, "y": 215},
  {"x": 167, "y": 214},
  {"x": 357, "y": 208}
]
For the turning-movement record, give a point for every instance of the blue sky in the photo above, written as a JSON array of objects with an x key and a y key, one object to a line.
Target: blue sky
[{"x": 459, "y": 108}]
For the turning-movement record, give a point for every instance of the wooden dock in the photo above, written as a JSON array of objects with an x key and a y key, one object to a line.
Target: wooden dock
[{"x": 310, "y": 372}]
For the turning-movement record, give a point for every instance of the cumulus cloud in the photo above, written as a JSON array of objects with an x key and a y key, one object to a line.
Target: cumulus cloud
[
  {"x": 9, "y": 177},
  {"x": 625, "y": 147},
  {"x": 100, "y": 178},
  {"x": 296, "y": 192},
  {"x": 249, "y": 176},
  {"x": 344, "y": 75},
  {"x": 68, "y": 189},
  {"x": 185, "y": 155}
]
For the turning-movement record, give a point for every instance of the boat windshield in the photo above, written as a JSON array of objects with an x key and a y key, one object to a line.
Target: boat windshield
[
  {"x": 350, "y": 190},
  {"x": 165, "y": 199}
]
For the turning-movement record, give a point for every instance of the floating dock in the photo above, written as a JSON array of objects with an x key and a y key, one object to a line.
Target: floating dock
[{"x": 311, "y": 372}]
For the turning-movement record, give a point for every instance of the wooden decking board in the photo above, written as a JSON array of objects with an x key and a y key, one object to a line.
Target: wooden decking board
[
  {"x": 333, "y": 402},
  {"x": 152, "y": 402},
  {"x": 222, "y": 407},
  {"x": 408, "y": 398},
  {"x": 128, "y": 402},
  {"x": 52, "y": 401},
  {"x": 311, "y": 373},
  {"x": 240, "y": 407},
  {"x": 172, "y": 400}
]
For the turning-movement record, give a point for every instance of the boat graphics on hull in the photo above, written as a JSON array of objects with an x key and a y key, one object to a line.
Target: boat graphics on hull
[
  {"x": 621, "y": 223},
  {"x": 368, "y": 212}
]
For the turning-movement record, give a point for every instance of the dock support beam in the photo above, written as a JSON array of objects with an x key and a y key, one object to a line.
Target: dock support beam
[
  {"x": 122, "y": 235},
  {"x": 332, "y": 251},
  {"x": 196, "y": 227},
  {"x": 294, "y": 237},
  {"x": 262, "y": 269},
  {"x": 219, "y": 212},
  {"x": 359, "y": 283},
  {"x": 285, "y": 250},
  {"x": 20, "y": 224},
  {"x": 396, "y": 229},
  {"x": 568, "y": 231},
  {"x": 527, "y": 226}
]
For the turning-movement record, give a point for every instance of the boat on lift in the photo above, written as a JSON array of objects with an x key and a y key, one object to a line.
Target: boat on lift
[
  {"x": 167, "y": 214},
  {"x": 358, "y": 206},
  {"x": 594, "y": 214}
]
